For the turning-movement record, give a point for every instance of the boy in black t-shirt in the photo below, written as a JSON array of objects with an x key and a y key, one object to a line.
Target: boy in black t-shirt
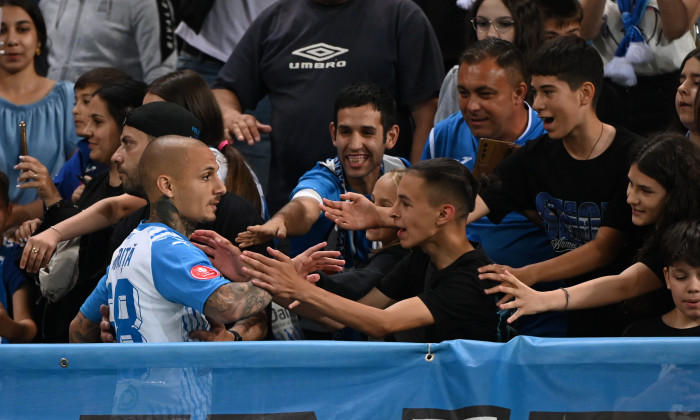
[
  {"x": 572, "y": 180},
  {"x": 681, "y": 254},
  {"x": 433, "y": 294}
]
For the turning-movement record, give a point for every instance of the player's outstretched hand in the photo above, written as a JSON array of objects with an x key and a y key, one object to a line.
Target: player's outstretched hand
[
  {"x": 316, "y": 259},
  {"x": 259, "y": 234},
  {"x": 223, "y": 255},
  {"x": 278, "y": 276},
  {"x": 357, "y": 212}
]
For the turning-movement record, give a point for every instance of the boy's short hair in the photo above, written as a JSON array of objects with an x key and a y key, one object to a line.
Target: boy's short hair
[
  {"x": 681, "y": 242},
  {"x": 365, "y": 93},
  {"x": 506, "y": 55},
  {"x": 4, "y": 190},
  {"x": 101, "y": 76},
  {"x": 571, "y": 59},
  {"x": 448, "y": 181},
  {"x": 562, "y": 12}
]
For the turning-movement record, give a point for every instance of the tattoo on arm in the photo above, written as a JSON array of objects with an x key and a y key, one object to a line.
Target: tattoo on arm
[
  {"x": 234, "y": 301},
  {"x": 82, "y": 330}
]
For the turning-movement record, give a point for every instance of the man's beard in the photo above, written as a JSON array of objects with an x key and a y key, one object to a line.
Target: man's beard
[{"x": 134, "y": 188}]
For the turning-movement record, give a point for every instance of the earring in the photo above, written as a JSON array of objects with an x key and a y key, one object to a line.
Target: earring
[{"x": 38, "y": 50}]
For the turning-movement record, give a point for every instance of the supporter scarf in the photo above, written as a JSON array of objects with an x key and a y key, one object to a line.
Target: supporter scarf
[{"x": 633, "y": 48}]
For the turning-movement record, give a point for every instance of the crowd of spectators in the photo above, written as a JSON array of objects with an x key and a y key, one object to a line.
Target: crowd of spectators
[{"x": 333, "y": 169}]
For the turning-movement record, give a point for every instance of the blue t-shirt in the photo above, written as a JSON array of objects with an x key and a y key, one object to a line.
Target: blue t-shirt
[
  {"x": 51, "y": 135},
  {"x": 12, "y": 277},
  {"x": 156, "y": 287},
  {"x": 79, "y": 165},
  {"x": 325, "y": 181}
]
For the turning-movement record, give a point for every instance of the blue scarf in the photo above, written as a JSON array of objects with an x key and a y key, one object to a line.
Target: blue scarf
[{"x": 633, "y": 48}]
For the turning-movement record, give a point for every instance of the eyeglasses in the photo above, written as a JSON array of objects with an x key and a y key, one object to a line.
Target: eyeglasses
[{"x": 501, "y": 25}]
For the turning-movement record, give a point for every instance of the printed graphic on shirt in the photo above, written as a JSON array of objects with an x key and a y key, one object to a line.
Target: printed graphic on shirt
[
  {"x": 320, "y": 54},
  {"x": 202, "y": 272},
  {"x": 124, "y": 303},
  {"x": 569, "y": 224}
]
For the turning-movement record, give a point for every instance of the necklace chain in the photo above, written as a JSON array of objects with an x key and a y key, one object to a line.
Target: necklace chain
[{"x": 602, "y": 125}]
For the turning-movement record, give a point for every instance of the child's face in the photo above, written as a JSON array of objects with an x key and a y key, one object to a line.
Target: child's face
[
  {"x": 384, "y": 195},
  {"x": 80, "y": 114},
  {"x": 683, "y": 280},
  {"x": 558, "y": 106},
  {"x": 646, "y": 197},
  {"x": 685, "y": 95},
  {"x": 553, "y": 30},
  {"x": 413, "y": 214}
]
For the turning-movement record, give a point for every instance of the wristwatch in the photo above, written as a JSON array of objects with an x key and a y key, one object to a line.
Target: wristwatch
[{"x": 236, "y": 336}]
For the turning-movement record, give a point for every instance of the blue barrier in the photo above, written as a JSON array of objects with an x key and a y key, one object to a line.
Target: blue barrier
[{"x": 528, "y": 378}]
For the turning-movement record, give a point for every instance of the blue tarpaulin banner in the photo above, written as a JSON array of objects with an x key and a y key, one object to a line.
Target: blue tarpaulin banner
[{"x": 527, "y": 378}]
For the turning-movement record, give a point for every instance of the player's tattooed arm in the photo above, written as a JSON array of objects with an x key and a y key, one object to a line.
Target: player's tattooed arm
[
  {"x": 234, "y": 301},
  {"x": 82, "y": 330},
  {"x": 166, "y": 213}
]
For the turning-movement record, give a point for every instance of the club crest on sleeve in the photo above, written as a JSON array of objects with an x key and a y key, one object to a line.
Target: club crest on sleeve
[{"x": 202, "y": 272}]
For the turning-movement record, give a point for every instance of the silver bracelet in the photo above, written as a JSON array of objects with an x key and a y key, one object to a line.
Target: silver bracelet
[
  {"x": 57, "y": 231},
  {"x": 568, "y": 296}
]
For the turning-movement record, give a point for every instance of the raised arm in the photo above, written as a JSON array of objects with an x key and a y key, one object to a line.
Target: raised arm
[
  {"x": 592, "y": 18},
  {"x": 375, "y": 314},
  {"x": 100, "y": 215},
  {"x": 595, "y": 254},
  {"x": 237, "y": 125},
  {"x": 356, "y": 212},
  {"x": 636, "y": 280},
  {"x": 294, "y": 219},
  {"x": 677, "y": 17},
  {"x": 36, "y": 175}
]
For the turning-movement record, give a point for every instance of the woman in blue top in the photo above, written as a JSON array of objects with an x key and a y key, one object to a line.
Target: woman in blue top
[{"x": 45, "y": 105}]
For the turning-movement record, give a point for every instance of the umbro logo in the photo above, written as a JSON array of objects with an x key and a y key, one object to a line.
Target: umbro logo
[{"x": 320, "y": 54}]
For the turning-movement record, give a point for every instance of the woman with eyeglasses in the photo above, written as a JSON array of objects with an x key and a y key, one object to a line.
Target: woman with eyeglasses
[{"x": 517, "y": 21}]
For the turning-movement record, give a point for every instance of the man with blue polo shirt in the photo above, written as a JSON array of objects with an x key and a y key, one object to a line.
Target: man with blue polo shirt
[
  {"x": 363, "y": 129},
  {"x": 492, "y": 85}
]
